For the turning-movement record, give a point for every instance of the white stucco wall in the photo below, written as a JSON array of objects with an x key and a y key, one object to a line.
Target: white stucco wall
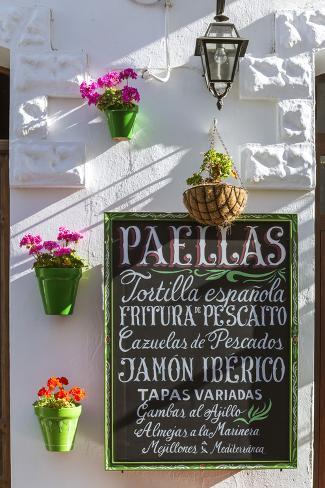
[{"x": 146, "y": 174}]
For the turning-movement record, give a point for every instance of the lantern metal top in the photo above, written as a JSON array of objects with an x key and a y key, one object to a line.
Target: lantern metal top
[{"x": 210, "y": 37}]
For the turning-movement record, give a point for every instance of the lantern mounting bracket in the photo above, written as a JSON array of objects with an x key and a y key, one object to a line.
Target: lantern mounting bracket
[{"x": 219, "y": 11}]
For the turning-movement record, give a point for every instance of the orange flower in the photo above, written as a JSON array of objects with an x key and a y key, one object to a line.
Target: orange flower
[
  {"x": 77, "y": 393},
  {"x": 54, "y": 382},
  {"x": 62, "y": 395},
  {"x": 55, "y": 389}
]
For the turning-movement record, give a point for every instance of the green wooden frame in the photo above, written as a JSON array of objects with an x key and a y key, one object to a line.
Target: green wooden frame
[{"x": 293, "y": 414}]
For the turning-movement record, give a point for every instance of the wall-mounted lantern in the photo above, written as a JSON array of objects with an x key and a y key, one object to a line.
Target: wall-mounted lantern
[{"x": 220, "y": 50}]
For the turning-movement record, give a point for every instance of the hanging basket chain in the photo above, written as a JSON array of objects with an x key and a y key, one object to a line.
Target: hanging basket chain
[
  {"x": 214, "y": 134},
  {"x": 212, "y": 202}
]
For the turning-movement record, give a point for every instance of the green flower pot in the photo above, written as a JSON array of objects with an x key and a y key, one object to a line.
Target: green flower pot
[
  {"x": 58, "y": 426},
  {"x": 58, "y": 287},
  {"x": 121, "y": 123}
]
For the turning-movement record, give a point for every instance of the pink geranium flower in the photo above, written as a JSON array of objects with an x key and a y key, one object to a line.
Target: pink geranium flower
[
  {"x": 63, "y": 251},
  {"x": 111, "y": 90},
  {"x": 89, "y": 92},
  {"x": 35, "y": 248},
  {"x": 53, "y": 254},
  {"x": 109, "y": 80},
  {"x": 130, "y": 94},
  {"x": 68, "y": 235},
  {"x": 50, "y": 245},
  {"x": 29, "y": 240},
  {"x": 128, "y": 73}
]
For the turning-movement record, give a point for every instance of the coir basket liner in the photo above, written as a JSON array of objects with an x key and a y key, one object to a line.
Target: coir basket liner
[{"x": 215, "y": 203}]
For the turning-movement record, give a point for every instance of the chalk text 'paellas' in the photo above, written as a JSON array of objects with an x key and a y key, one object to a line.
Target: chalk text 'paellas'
[{"x": 146, "y": 247}]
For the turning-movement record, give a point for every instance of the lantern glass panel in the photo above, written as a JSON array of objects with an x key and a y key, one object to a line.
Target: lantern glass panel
[
  {"x": 204, "y": 65},
  {"x": 221, "y": 59},
  {"x": 221, "y": 30}
]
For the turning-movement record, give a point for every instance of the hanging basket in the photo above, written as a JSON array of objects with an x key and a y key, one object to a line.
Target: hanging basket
[{"x": 216, "y": 204}]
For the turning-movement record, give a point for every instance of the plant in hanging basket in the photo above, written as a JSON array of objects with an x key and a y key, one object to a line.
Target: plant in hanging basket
[
  {"x": 58, "y": 411},
  {"x": 112, "y": 95},
  {"x": 209, "y": 201},
  {"x": 58, "y": 269}
]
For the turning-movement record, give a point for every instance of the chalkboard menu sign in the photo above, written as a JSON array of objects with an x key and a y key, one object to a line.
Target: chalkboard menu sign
[{"x": 201, "y": 329}]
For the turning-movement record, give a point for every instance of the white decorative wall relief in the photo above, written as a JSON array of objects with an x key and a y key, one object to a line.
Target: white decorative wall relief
[
  {"x": 288, "y": 78},
  {"x": 275, "y": 77},
  {"x": 295, "y": 120},
  {"x": 278, "y": 165},
  {"x": 37, "y": 73},
  {"x": 31, "y": 118},
  {"x": 57, "y": 75},
  {"x": 298, "y": 31},
  {"x": 43, "y": 165}
]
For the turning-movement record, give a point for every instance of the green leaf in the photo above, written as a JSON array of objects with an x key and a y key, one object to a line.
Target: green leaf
[
  {"x": 250, "y": 411},
  {"x": 242, "y": 419},
  {"x": 255, "y": 414}
]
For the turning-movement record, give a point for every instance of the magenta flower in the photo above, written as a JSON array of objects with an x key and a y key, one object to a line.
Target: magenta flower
[
  {"x": 49, "y": 254},
  {"x": 63, "y": 251},
  {"x": 93, "y": 98},
  {"x": 130, "y": 95},
  {"x": 84, "y": 89},
  {"x": 111, "y": 79},
  {"x": 61, "y": 234},
  {"x": 75, "y": 237},
  {"x": 50, "y": 245},
  {"x": 100, "y": 82},
  {"x": 68, "y": 235},
  {"x": 35, "y": 248},
  {"x": 128, "y": 73},
  {"x": 89, "y": 92},
  {"x": 29, "y": 240},
  {"x": 110, "y": 91}
]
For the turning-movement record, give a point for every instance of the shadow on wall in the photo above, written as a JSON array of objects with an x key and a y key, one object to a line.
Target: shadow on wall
[
  {"x": 181, "y": 479},
  {"x": 182, "y": 16},
  {"x": 147, "y": 174},
  {"x": 87, "y": 336},
  {"x": 257, "y": 30}
]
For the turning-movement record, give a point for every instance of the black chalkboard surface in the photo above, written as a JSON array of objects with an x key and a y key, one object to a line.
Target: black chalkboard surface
[{"x": 202, "y": 331}]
